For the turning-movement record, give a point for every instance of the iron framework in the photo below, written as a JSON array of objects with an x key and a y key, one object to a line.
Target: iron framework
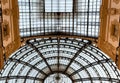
[
  {"x": 82, "y": 20},
  {"x": 43, "y": 58}
]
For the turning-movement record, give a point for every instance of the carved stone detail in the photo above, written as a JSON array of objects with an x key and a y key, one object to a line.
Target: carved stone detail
[
  {"x": 4, "y": 1},
  {"x": 112, "y": 11},
  {"x": 116, "y": 1},
  {"x": 114, "y": 31},
  {"x": 118, "y": 11},
  {"x": 5, "y": 30},
  {"x": 6, "y": 12}
]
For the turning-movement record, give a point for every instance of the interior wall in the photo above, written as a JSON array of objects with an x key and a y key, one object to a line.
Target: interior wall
[
  {"x": 1, "y": 50},
  {"x": 110, "y": 29},
  {"x": 9, "y": 29}
]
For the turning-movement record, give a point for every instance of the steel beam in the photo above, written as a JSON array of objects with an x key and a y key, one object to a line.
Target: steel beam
[
  {"x": 27, "y": 64},
  {"x": 98, "y": 79},
  {"x": 39, "y": 53},
  {"x": 90, "y": 65},
  {"x": 20, "y": 77},
  {"x": 77, "y": 54}
]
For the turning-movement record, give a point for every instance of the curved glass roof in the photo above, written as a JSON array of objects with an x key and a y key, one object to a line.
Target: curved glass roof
[
  {"x": 59, "y": 60},
  {"x": 59, "y": 17}
]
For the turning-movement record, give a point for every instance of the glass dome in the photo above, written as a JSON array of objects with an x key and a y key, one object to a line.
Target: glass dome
[{"x": 59, "y": 60}]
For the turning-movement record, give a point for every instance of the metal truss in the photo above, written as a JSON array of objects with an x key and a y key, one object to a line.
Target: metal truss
[
  {"x": 75, "y": 58},
  {"x": 36, "y": 49},
  {"x": 83, "y": 20},
  {"x": 98, "y": 78},
  {"x": 20, "y": 77}
]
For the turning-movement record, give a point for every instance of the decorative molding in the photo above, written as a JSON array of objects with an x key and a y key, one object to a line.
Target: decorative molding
[
  {"x": 116, "y": 1},
  {"x": 6, "y": 11},
  {"x": 4, "y": 1},
  {"x": 117, "y": 11},
  {"x": 114, "y": 31},
  {"x": 5, "y": 30},
  {"x": 114, "y": 11},
  {"x": 103, "y": 12}
]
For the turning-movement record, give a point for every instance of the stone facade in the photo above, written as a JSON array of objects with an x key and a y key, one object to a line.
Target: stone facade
[
  {"x": 110, "y": 28},
  {"x": 9, "y": 29}
]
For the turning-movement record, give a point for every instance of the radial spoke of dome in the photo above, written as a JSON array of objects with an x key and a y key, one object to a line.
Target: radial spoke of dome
[
  {"x": 77, "y": 54},
  {"x": 90, "y": 65},
  {"x": 27, "y": 64},
  {"x": 58, "y": 53},
  {"x": 20, "y": 77},
  {"x": 98, "y": 79},
  {"x": 40, "y": 54}
]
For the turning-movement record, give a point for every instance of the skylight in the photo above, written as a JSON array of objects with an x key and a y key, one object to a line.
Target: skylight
[
  {"x": 59, "y": 17},
  {"x": 58, "y": 5}
]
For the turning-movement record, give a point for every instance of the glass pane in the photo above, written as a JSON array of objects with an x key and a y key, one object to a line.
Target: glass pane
[
  {"x": 59, "y": 17},
  {"x": 58, "y": 5}
]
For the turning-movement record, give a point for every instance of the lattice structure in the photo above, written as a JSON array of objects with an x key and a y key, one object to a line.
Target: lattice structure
[
  {"x": 75, "y": 60},
  {"x": 61, "y": 17}
]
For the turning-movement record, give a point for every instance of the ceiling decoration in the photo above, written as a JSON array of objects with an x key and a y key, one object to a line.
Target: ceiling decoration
[
  {"x": 59, "y": 60},
  {"x": 59, "y": 17}
]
